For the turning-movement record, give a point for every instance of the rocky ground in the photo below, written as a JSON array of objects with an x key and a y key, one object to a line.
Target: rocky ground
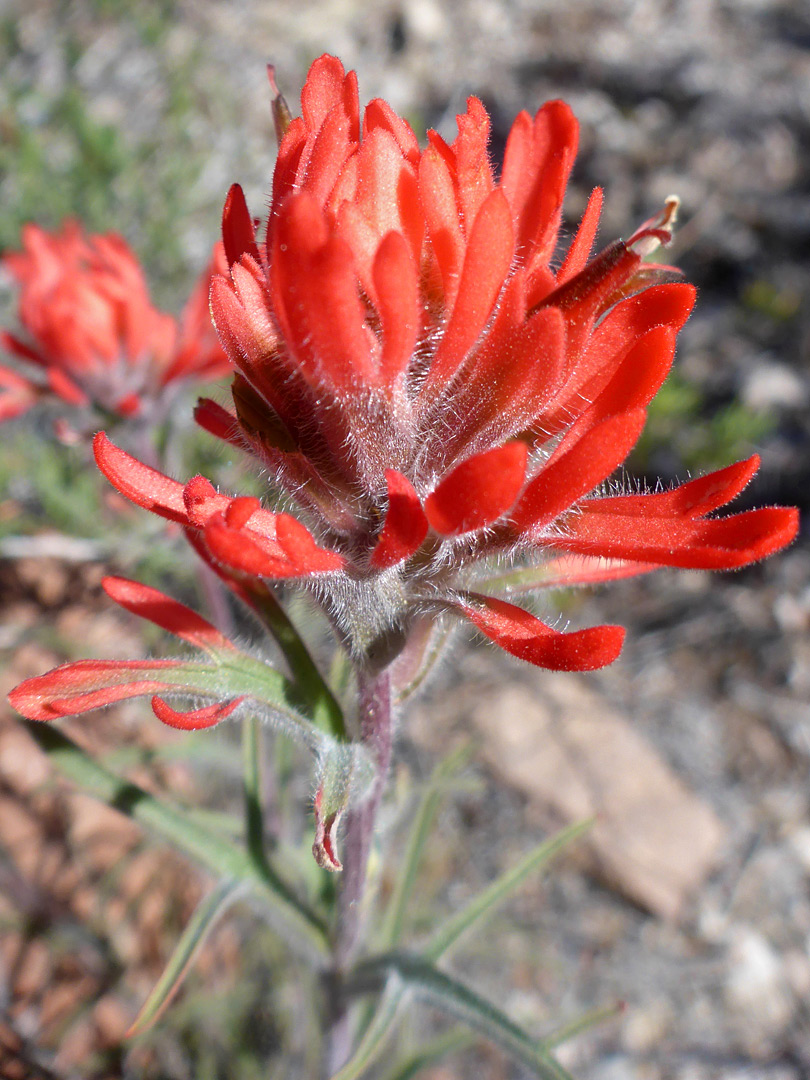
[{"x": 706, "y": 933}]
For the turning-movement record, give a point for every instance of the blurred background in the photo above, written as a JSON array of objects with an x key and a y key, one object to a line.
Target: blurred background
[{"x": 691, "y": 901}]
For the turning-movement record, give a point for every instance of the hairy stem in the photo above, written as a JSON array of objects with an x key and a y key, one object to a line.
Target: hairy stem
[{"x": 375, "y": 716}]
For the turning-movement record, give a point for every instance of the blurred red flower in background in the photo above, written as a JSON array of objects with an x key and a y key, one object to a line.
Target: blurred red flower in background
[{"x": 91, "y": 332}]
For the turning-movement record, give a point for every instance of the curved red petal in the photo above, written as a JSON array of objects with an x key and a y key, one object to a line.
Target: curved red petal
[
  {"x": 405, "y": 525},
  {"x": 300, "y": 547},
  {"x": 473, "y": 168},
  {"x": 217, "y": 421},
  {"x": 88, "y": 684},
  {"x": 695, "y": 498},
  {"x": 240, "y": 510},
  {"x": 518, "y": 632},
  {"x": 238, "y": 231},
  {"x": 478, "y": 491},
  {"x": 565, "y": 479},
  {"x": 163, "y": 611},
  {"x": 577, "y": 254},
  {"x": 397, "y": 286},
  {"x": 487, "y": 261},
  {"x": 193, "y": 719},
  {"x": 714, "y": 544},
  {"x": 139, "y": 483}
]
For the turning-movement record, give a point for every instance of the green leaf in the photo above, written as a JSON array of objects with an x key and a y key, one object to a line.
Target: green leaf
[
  {"x": 252, "y": 787},
  {"x": 457, "y": 1038},
  {"x": 455, "y": 999},
  {"x": 575, "y": 1027},
  {"x": 377, "y": 1033},
  {"x": 200, "y": 925},
  {"x": 419, "y": 834},
  {"x": 486, "y": 902},
  {"x": 310, "y": 689},
  {"x": 304, "y": 928}
]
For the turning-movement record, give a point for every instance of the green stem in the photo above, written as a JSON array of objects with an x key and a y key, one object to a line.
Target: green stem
[
  {"x": 252, "y": 787},
  {"x": 317, "y": 699}
]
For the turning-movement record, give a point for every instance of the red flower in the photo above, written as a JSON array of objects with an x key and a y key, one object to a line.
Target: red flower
[
  {"x": 92, "y": 331},
  {"x": 434, "y": 397}
]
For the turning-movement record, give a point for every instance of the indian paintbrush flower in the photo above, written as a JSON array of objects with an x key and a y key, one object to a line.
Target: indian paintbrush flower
[
  {"x": 439, "y": 397},
  {"x": 91, "y": 335}
]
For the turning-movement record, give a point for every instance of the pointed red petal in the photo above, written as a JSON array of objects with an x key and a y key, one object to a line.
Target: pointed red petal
[
  {"x": 194, "y": 719},
  {"x": 438, "y": 194},
  {"x": 66, "y": 388},
  {"x": 521, "y": 634},
  {"x": 238, "y": 232},
  {"x": 695, "y": 498},
  {"x": 379, "y": 115},
  {"x": 478, "y": 491},
  {"x": 405, "y": 525},
  {"x": 537, "y": 163},
  {"x": 139, "y": 483},
  {"x": 148, "y": 603},
  {"x": 486, "y": 265},
  {"x": 473, "y": 168},
  {"x": 217, "y": 421},
  {"x": 397, "y": 287},
  {"x": 300, "y": 547},
  {"x": 292, "y": 553},
  {"x": 329, "y": 86},
  {"x": 567, "y": 478},
  {"x": 714, "y": 544},
  {"x": 89, "y": 684},
  {"x": 580, "y": 249},
  {"x": 316, "y": 299}
]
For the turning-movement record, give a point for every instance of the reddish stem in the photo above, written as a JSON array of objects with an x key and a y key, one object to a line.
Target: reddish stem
[{"x": 375, "y": 716}]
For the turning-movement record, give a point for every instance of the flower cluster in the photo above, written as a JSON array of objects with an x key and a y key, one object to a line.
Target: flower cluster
[
  {"x": 92, "y": 334},
  {"x": 436, "y": 395}
]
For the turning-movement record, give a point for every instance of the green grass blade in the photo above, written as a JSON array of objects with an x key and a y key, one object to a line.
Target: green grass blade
[
  {"x": 433, "y": 1051},
  {"x": 420, "y": 831},
  {"x": 200, "y": 925},
  {"x": 452, "y": 997},
  {"x": 209, "y": 848},
  {"x": 487, "y": 901},
  {"x": 377, "y": 1033},
  {"x": 582, "y": 1023}
]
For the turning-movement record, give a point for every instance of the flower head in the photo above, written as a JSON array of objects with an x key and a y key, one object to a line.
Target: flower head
[
  {"x": 91, "y": 330},
  {"x": 438, "y": 395}
]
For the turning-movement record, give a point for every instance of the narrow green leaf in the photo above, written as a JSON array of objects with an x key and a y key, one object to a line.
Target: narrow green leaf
[
  {"x": 500, "y": 889},
  {"x": 582, "y": 1023},
  {"x": 419, "y": 834},
  {"x": 455, "y": 999},
  {"x": 211, "y": 849},
  {"x": 200, "y": 925},
  {"x": 310, "y": 688},
  {"x": 449, "y": 1042},
  {"x": 377, "y": 1033},
  {"x": 252, "y": 787}
]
